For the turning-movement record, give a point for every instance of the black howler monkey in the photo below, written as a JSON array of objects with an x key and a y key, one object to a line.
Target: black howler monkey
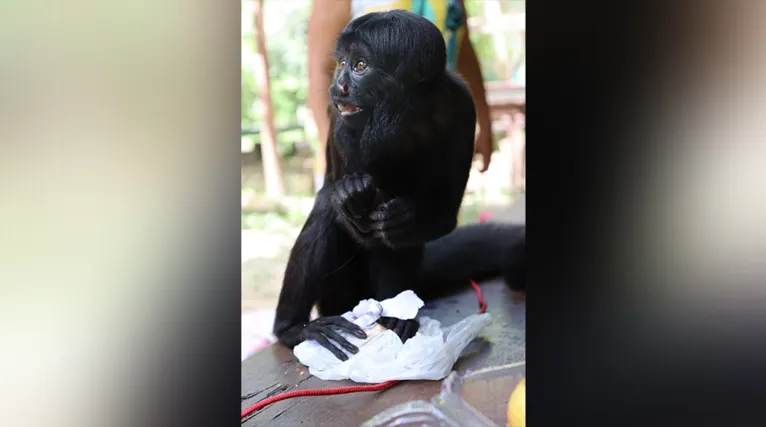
[{"x": 398, "y": 161}]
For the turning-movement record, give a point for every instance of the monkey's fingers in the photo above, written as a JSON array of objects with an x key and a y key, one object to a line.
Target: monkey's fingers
[
  {"x": 363, "y": 184},
  {"x": 387, "y": 322},
  {"x": 410, "y": 330},
  {"x": 351, "y": 348},
  {"x": 390, "y": 209},
  {"x": 360, "y": 206},
  {"x": 405, "y": 329},
  {"x": 362, "y": 196},
  {"x": 399, "y": 327},
  {"x": 394, "y": 223},
  {"x": 324, "y": 342},
  {"x": 343, "y": 191},
  {"x": 397, "y": 237},
  {"x": 354, "y": 198},
  {"x": 338, "y": 200},
  {"x": 344, "y": 325}
]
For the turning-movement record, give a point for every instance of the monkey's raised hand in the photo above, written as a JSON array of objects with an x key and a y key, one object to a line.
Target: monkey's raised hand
[
  {"x": 394, "y": 224},
  {"x": 353, "y": 199},
  {"x": 405, "y": 329},
  {"x": 324, "y": 329}
]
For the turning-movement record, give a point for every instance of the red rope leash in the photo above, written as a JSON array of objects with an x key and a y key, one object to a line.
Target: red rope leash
[
  {"x": 316, "y": 392},
  {"x": 344, "y": 390},
  {"x": 480, "y": 296}
]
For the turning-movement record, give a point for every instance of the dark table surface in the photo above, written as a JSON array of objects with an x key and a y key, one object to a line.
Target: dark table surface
[{"x": 275, "y": 369}]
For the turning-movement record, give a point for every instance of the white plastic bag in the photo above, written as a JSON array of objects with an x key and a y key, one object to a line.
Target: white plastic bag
[{"x": 429, "y": 355}]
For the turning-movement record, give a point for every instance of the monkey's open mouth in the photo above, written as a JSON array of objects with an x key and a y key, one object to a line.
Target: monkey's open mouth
[{"x": 347, "y": 110}]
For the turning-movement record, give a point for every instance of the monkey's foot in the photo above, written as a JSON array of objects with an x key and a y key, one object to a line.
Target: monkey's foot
[{"x": 405, "y": 329}]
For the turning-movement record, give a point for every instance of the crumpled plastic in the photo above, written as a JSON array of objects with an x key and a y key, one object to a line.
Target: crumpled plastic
[{"x": 429, "y": 355}]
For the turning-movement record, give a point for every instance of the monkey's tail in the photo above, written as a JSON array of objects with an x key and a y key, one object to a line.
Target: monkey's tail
[{"x": 475, "y": 252}]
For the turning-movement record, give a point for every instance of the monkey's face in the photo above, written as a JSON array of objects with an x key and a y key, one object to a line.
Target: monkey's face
[{"x": 354, "y": 93}]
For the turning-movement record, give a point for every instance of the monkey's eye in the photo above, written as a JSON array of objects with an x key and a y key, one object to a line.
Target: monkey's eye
[
  {"x": 342, "y": 63},
  {"x": 360, "y": 66}
]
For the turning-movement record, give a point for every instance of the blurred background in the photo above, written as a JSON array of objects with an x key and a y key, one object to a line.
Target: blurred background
[
  {"x": 280, "y": 145},
  {"x": 114, "y": 172}
]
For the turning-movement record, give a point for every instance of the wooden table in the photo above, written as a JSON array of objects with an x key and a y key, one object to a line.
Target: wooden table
[
  {"x": 275, "y": 369},
  {"x": 506, "y": 98}
]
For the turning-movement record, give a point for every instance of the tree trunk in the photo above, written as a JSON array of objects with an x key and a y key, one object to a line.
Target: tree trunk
[{"x": 271, "y": 171}]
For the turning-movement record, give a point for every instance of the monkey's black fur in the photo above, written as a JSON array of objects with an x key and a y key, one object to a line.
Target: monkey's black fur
[
  {"x": 474, "y": 252},
  {"x": 398, "y": 160}
]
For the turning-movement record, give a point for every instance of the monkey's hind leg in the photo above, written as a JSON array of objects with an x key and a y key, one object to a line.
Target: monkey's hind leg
[{"x": 392, "y": 272}]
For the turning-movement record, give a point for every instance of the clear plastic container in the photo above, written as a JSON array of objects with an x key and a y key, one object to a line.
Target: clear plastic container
[{"x": 478, "y": 398}]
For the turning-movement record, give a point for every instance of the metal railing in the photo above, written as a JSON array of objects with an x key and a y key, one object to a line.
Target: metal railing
[{"x": 257, "y": 131}]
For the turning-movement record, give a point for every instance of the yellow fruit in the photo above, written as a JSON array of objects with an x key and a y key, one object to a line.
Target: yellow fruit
[{"x": 517, "y": 405}]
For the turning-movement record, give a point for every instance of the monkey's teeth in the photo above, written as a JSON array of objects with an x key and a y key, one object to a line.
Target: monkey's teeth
[{"x": 343, "y": 108}]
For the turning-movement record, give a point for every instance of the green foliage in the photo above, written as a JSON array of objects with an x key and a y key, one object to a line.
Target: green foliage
[
  {"x": 485, "y": 51},
  {"x": 286, "y": 26},
  {"x": 499, "y": 52},
  {"x": 288, "y": 58},
  {"x": 285, "y": 23},
  {"x": 249, "y": 99}
]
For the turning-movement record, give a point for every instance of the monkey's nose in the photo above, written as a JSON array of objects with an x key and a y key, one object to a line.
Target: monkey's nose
[{"x": 343, "y": 88}]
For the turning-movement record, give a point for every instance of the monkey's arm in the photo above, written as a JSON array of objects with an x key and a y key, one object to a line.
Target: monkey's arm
[
  {"x": 311, "y": 262},
  {"x": 353, "y": 198},
  {"x": 407, "y": 221},
  {"x": 430, "y": 209}
]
